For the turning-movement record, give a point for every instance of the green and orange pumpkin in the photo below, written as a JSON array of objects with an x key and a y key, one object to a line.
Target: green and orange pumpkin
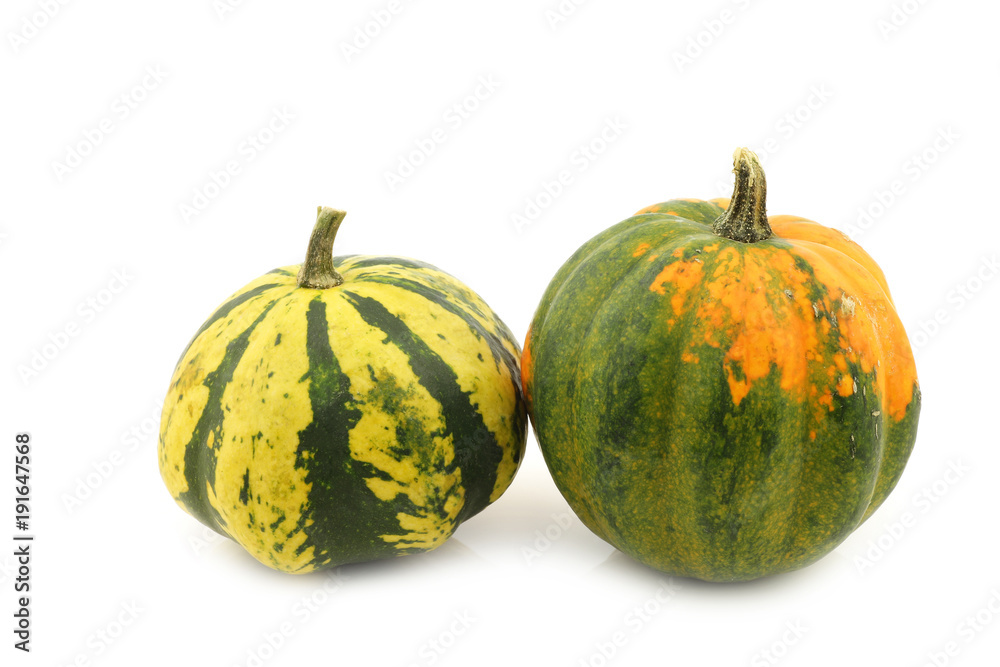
[
  {"x": 720, "y": 394},
  {"x": 350, "y": 409}
]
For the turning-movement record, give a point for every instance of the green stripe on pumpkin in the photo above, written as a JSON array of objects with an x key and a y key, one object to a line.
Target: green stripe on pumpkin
[
  {"x": 341, "y": 507},
  {"x": 200, "y": 452},
  {"x": 501, "y": 355},
  {"x": 376, "y": 269},
  {"x": 228, "y": 307},
  {"x": 477, "y": 453}
]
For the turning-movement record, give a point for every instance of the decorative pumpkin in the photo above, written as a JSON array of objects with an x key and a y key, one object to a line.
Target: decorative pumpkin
[
  {"x": 720, "y": 394},
  {"x": 325, "y": 415}
]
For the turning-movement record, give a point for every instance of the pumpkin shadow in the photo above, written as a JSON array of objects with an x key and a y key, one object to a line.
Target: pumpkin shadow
[
  {"x": 621, "y": 565},
  {"x": 449, "y": 557}
]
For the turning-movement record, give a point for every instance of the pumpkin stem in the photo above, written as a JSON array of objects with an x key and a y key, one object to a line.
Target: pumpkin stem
[
  {"x": 746, "y": 218},
  {"x": 317, "y": 271}
]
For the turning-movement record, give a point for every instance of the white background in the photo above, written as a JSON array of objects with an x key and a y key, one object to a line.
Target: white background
[{"x": 837, "y": 100}]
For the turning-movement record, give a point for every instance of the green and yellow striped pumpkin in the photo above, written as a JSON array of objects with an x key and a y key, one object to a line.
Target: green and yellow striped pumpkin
[
  {"x": 720, "y": 394},
  {"x": 351, "y": 409}
]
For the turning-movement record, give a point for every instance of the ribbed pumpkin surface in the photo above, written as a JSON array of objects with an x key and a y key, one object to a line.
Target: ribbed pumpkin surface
[
  {"x": 718, "y": 409},
  {"x": 318, "y": 427}
]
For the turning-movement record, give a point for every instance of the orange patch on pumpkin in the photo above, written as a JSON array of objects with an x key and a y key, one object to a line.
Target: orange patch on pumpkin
[
  {"x": 866, "y": 320},
  {"x": 758, "y": 303},
  {"x": 639, "y": 249},
  {"x": 689, "y": 358},
  {"x": 681, "y": 276},
  {"x": 840, "y": 362},
  {"x": 763, "y": 335},
  {"x": 526, "y": 367},
  {"x": 846, "y": 385},
  {"x": 794, "y": 227}
]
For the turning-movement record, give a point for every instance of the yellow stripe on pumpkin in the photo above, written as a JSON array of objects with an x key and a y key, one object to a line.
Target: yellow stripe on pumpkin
[
  {"x": 489, "y": 384},
  {"x": 188, "y": 395},
  {"x": 266, "y": 408},
  {"x": 419, "y": 476}
]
